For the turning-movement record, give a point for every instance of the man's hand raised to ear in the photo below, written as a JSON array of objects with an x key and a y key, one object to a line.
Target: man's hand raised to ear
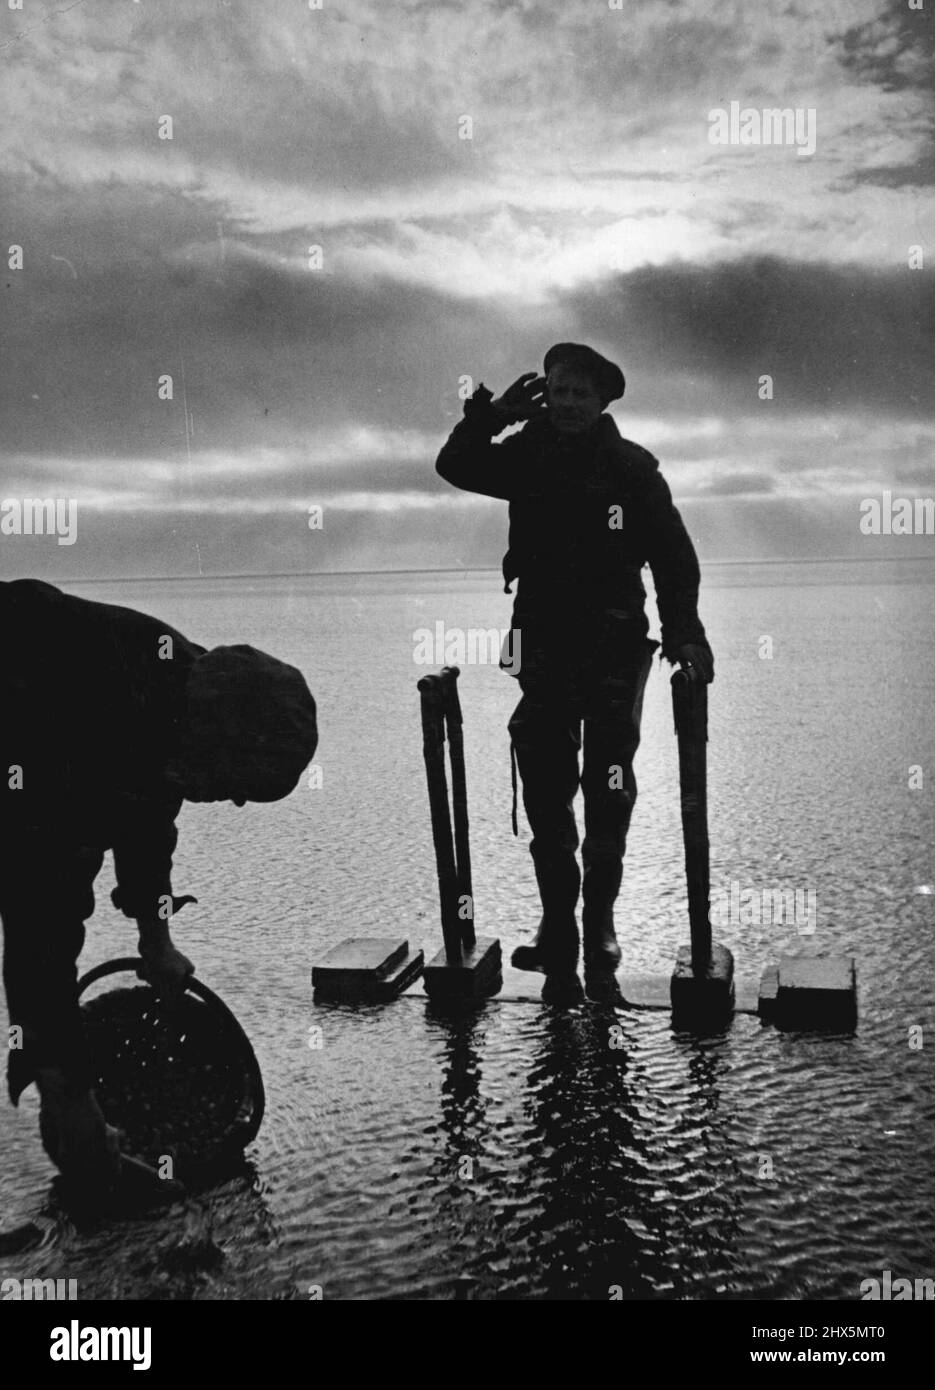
[{"x": 524, "y": 399}]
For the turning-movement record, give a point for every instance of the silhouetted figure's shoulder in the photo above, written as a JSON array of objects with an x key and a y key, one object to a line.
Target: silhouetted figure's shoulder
[
  {"x": 639, "y": 459},
  {"x": 625, "y": 453}
]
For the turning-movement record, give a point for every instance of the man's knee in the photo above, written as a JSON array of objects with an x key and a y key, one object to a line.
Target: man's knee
[
  {"x": 609, "y": 785},
  {"x": 551, "y": 819},
  {"x": 605, "y": 850}
]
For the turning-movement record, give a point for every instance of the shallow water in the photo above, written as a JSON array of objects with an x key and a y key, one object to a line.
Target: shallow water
[{"x": 514, "y": 1153}]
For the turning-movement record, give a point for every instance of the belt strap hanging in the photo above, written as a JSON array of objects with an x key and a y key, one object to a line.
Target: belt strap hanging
[{"x": 513, "y": 779}]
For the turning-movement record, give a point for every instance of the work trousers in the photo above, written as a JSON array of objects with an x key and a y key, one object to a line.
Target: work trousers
[
  {"x": 46, "y": 895},
  {"x": 547, "y": 738}
]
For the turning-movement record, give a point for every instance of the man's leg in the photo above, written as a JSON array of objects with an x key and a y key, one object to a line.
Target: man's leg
[
  {"x": 43, "y": 912},
  {"x": 611, "y": 739},
  {"x": 546, "y": 741}
]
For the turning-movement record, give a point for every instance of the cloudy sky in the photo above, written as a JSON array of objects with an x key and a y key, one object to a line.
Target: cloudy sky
[{"x": 588, "y": 204}]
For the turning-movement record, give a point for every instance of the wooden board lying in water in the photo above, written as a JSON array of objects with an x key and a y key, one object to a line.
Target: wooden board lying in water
[
  {"x": 640, "y": 991},
  {"x": 374, "y": 968}
]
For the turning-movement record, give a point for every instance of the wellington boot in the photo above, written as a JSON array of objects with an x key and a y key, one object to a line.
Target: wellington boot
[
  {"x": 601, "y": 949},
  {"x": 554, "y": 950},
  {"x": 600, "y": 887}
]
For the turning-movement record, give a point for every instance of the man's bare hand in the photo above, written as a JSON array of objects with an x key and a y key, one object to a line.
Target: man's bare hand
[
  {"x": 164, "y": 966},
  {"x": 524, "y": 399},
  {"x": 699, "y": 660}
]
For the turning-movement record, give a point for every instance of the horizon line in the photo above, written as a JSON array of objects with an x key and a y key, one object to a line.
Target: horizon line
[{"x": 468, "y": 569}]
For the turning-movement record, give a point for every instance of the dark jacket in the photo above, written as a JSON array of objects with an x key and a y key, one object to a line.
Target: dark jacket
[
  {"x": 586, "y": 514},
  {"x": 89, "y": 713}
]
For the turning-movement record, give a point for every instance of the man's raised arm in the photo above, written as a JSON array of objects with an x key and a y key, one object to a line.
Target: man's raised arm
[{"x": 470, "y": 459}]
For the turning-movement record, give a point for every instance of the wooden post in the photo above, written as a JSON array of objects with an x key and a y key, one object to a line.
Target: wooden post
[
  {"x": 702, "y": 983},
  {"x": 453, "y": 725},
  {"x": 466, "y": 968},
  {"x": 433, "y": 749},
  {"x": 690, "y": 708}
]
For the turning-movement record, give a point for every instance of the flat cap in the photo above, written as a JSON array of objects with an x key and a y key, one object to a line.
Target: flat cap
[
  {"x": 607, "y": 376},
  {"x": 259, "y": 711}
]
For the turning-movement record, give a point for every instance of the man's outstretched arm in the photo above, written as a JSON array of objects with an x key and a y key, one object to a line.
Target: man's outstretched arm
[{"x": 143, "y": 864}]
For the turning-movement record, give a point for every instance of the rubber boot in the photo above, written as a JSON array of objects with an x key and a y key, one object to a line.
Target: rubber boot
[
  {"x": 601, "y": 951},
  {"x": 555, "y": 948},
  {"x": 600, "y": 888}
]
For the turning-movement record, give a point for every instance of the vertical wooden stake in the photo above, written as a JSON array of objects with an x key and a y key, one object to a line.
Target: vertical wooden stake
[
  {"x": 433, "y": 749},
  {"x": 466, "y": 968},
  {"x": 453, "y": 724},
  {"x": 690, "y": 707}
]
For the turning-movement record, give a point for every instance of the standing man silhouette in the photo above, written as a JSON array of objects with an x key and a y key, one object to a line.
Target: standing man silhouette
[{"x": 587, "y": 510}]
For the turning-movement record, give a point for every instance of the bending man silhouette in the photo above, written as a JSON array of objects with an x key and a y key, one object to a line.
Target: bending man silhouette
[{"x": 110, "y": 719}]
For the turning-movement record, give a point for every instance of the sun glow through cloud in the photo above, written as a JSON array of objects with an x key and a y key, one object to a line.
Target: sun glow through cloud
[{"x": 317, "y": 257}]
